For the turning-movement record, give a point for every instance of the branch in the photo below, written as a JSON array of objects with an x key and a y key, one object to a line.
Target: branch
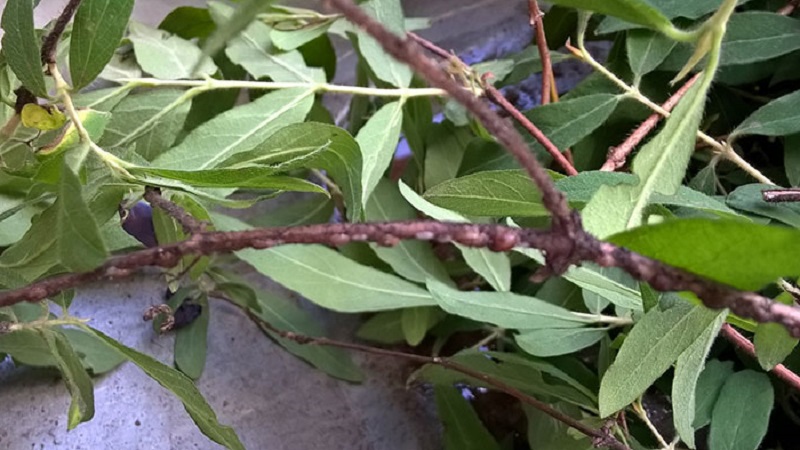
[
  {"x": 789, "y": 8},
  {"x": 548, "y": 80},
  {"x": 617, "y": 155},
  {"x": 188, "y": 222},
  {"x": 600, "y": 438},
  {"x": 556, "y": 245},
  {"x": 781, "y": 195},
  {"x": 51, "y": 40},
  {"x": 744, "y": 344}
]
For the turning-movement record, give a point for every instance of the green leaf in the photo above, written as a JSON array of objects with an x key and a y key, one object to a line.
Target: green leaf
[
  {"x": 96, "y": 33},
  {"x": 188, "y": 22},
  {"x": 21, "y": 45},
  {"x": 566, "y": 122},
  {"x": 749, "y": 198},
  {"x": 772, "y": 342},
  {"x": 136, "y": 121},
  {"x": 684, "y": 382},
  {"x": 251, "y": 49},
  {"x": 378, "y": 140},
  {"x": 384, "y": 328},
  {"x": 191, "y": 343},
  {"x": 634, "y": 11},
  {"x": 246, "y": 177},
  {"x": 647, "y": 50},
  {"x": 547, "y": 433},
  {"x": 328, "y": 278},
  {"x": 597, "y": 280},
  {"x": 741, "y": 414},
  {"x": 660, "y": 165},
  {"x": 79, "y": 385},
  {"x": 671, "y": 9},
  {"x": 581, "y": 187},
  {"x": 286, "y": 316},
  {"x": 708, "y": 388},
  {"x": 314, "y": 145},
  {"x": 93, "y": 121},
  {"x": 79, "y": 243},
  {"x": 168, "y": 57},
  {"x": 741, "y": 254},
  {"x": 96, "y": 356},
  {"x": 183, "y": 388},
  {"x": 495, "y": 268},
  {"x": 493, "y": 193},
  {"x": 558, "y": 341},
  {"x": 751, "y": 36},
  {"x": 652, "y": 346},
  {"x": 413, "y": 260},
  {"x": 28, "y": 347},
  {"x": 779, "y": 117},
  {"x": 235, "y": 23},
  {"x": 294, "y": 38},
  {"x": 791, "y": 158},
  {"x": 390, "y": 14},
  {"x": 444, "y": 146},
  {"x": 530, "y": 375},
  {"x": 238, "y": 130},
  {"x": 463, "y": 430},
  {"x": 505, "y": 309},
  {"x": 416, "y": 322}
]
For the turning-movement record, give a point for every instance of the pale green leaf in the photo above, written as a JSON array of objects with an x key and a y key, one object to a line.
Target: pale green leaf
[
  {"x": 639, "y": 12},
  {"x": 252, "y": 49},
  {"x": 684, "y": 383},
  {"x": 708, "y": 387},
  {"x": 384, "y": 328},
  {"x": 504, "y": 309},
  {"x": 234, "y": 23},
  {"x": 191, "y": 343},
  {"x": 328, "y": 278},
  {"x": 660, "y": 166},
  {"x": 390, "y": 14},
  {"x": 415, "y": 322},
  {"x": 378, "y": 140},
  {"x": 741, "y": 414},
  {"x": 167, "y": 57},
  {"x": 96, "y": 33},
  {"x": 558, "y": 341},
  {"x": 749, "y": 198},
  {"x": 237, "y": 130},
  {"x": 652, "y": 346},
  {"x": 495, "y": 268},
  {"x": 183, "y": 388},
  {"x": 496, "y": 193},
  {"x": 79, "y": 385}
]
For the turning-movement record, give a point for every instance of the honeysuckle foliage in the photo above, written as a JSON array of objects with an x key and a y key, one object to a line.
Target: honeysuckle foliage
[{"x": 224, "y": 106}]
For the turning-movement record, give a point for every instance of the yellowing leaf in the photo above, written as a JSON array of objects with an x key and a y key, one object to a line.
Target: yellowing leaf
[{"x": 42, "y": 118}]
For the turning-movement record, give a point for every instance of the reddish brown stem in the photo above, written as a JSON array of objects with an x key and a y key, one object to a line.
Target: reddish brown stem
[
  {"x": 600, "y": 438},
  {"x": 548, "y": 80},
  {"x": 51, "y": 40},
  {"x": 187, "y": 221},
  {"x": 618, "y": 155},
  {"x": 744, "y": 344},
  {"x": 499, "y": 99}
]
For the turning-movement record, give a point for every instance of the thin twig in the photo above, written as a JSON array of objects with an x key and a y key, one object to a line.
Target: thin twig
[
  {"x": 744, "y": 344},
  {"x": 188, "y": 222},
  {"x": 781, "y": 195},
  {"x": 600, "y": 437},
  {"x": 617, "y": 155},
  {"x": 789, "y": 8},
  {"x": 548, "y": 80},
  {"x": 51, "y": 40},
  {"x": 497, "y": 97}
]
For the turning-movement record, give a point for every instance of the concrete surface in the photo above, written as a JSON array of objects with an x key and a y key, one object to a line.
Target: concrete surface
[{"x": 271, "y": 398}]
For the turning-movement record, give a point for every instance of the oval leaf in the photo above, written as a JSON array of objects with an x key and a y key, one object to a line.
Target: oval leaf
[
  {"x": 741, "y": 414},
  {"x": 96, "y": 34}
]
